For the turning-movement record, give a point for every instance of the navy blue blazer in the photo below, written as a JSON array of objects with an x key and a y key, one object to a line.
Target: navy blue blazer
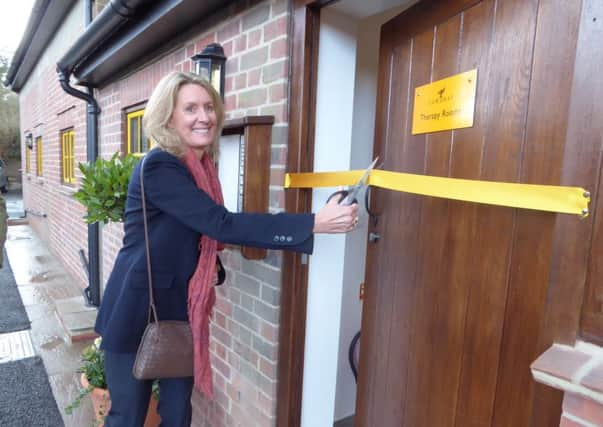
[{"x": 178, "y": 213}]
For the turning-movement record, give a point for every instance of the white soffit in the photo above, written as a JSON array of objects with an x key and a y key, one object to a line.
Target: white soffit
[{"x": 360, "y": 9}]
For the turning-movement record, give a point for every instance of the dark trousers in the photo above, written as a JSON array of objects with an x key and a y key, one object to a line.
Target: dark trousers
[{"x": 130, "y": 397}]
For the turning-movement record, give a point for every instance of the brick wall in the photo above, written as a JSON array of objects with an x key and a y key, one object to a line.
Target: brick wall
[{"x": 46, "y": 110}]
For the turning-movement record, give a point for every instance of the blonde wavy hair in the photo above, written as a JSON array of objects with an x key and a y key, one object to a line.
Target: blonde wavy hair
[{"x": 160, "y": 108}]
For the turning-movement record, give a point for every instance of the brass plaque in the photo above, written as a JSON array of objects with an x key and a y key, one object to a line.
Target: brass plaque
[{"x": 445, "y": 104}]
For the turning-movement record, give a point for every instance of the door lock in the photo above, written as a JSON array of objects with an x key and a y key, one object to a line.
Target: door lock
[{"x": 374, "y": 237}]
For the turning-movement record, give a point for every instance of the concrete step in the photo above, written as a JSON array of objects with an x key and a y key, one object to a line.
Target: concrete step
[{"x": 76, "y": 318}]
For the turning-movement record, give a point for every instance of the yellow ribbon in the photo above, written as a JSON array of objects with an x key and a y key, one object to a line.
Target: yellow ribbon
[{"x": 550, "y": 198}]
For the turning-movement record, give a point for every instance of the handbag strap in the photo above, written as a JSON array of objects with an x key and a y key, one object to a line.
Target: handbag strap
[{"x": 152, "y": 308}]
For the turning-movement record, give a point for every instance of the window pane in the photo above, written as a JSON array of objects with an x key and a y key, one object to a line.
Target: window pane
[{"x": 134, "y": 137}]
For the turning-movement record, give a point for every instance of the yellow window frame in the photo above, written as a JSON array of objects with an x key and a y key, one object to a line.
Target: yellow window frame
[
  {"x": 67, "y": 156},
  {"x": 39, "y": 157},
  {"x": 27, "y": 159},
  {"x": 135, "y": 115}
]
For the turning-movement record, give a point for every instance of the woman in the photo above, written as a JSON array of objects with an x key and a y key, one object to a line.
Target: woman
[{"x": 184, "y": 118}]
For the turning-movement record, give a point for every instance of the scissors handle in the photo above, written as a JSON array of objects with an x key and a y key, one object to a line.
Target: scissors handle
[{"x": 343, "y": 194}]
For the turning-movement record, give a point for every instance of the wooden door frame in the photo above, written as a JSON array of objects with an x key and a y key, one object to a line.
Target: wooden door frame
[{"x": 304, "y": 29}]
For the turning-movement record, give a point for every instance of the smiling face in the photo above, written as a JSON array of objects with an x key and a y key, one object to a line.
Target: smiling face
[{"x": 194, "y": 118}]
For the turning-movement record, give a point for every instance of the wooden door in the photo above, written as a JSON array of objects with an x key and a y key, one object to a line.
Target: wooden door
[{"x": 461, "y": 297}]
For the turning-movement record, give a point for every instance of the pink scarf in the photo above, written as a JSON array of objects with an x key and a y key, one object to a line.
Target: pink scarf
[{"x": 201, "y": 292}]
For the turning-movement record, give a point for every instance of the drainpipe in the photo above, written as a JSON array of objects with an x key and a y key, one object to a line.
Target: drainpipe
[
  {"x": 114, "y": 16},
  {"x": 92, "y": 292}
]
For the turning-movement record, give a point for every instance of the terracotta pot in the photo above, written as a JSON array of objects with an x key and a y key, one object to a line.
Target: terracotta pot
[{"x": 102, "y": 403}]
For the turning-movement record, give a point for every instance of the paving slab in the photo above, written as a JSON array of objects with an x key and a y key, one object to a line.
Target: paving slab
[{"x": 44, "y": 285}]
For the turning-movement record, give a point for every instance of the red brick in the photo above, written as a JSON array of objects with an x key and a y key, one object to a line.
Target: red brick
[
  {"x": 254, "y": 38},
  {"x": 594, "y": 378},
  {"x": 583, "y": 408},
  {"x": 268, "y": 368},
  {"x": 190, "y": 50},
  {"x": 276, "y": 28},
  {"x": 224, "y": 306},
  {"x": 276, "y": 71},
  {"x": 230, "y": 102},
  {"x": 229, "y": 84},
  {"x": 278, "y": 92},
  {"x": 240, "y": 43},
  {"x": 252, "y": 98},
  {"x": 279, "y": 48},
  {"x": 253, "y": 77},
  {"x": 240, "y": 81},
  {"x": 220, "y": 366},
  {"x": 269, "y": 332},
  {"x": 228, "y": 48},
  {"x": 266, "y": 405},
  {"x": 254, "y": 58},
  {"x": 562, "y": 362},
  {"x": 277, "y": 177},
  {"x": 278, "y": 111},
  {"x": 566, "y": 422},
  {"x": 278, "y": 156},
  {"x": 220, "y": 319},
  {"x": 228, "y": 31}
]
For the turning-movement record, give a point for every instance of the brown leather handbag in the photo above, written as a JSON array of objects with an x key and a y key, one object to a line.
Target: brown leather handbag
[{"x": 166, "y": 348}]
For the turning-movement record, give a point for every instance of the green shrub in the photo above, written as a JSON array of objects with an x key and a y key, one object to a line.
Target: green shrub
[
  {"x": 104, "y": 188},
  {"x": 93, "y": 367}
]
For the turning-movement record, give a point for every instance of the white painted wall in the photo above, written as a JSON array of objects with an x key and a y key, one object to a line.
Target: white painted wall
[
  {"x": 333, "y": 139},
  {"x": 344, "y": 134},
  {"x": 363, "y": 126}
]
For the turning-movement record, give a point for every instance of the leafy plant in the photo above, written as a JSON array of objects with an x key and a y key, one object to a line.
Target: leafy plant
[
  {"x": 93, "y": 366},
  {"x": 105, "y": 186}
]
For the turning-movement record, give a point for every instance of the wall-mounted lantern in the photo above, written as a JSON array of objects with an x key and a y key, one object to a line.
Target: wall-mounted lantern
[
  {"x": 209, "y": 64},
  {"x": 29, "y": 141}
]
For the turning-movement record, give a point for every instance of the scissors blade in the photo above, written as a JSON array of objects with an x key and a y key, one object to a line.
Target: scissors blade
[
  {"x": 364, "y": 178},
  {"x": 353, "y": 191}
]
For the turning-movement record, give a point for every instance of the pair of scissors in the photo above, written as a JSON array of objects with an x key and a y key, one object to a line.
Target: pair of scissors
[{"x": 349, "y": 196}]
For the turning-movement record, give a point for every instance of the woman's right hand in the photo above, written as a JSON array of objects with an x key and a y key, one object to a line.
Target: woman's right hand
[{"x": 336, "y": 218}]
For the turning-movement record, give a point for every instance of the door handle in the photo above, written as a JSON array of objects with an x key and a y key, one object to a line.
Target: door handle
[{"x": 374, "y": 237}]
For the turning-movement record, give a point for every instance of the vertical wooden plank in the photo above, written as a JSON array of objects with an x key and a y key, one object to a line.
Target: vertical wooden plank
[
  {"x": 591, "y": 327},
  {"x": 573, "y": 238},
  {"x": 509, "y": 61},
  {"x": 292, "y": 320},
  {"x": 461, "y": 255},
  {"x": 586, "y": 135},
  {"x": 542, "y": 158},
  {"x": 257, "y": 176},
  {"x": 407, "y": 209},
  {"x": 379, "y": 304},
  {"x": 389, "y": 409},
  {"x": 375, "y": 296},
  {"x": 430, "y": 401}
]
